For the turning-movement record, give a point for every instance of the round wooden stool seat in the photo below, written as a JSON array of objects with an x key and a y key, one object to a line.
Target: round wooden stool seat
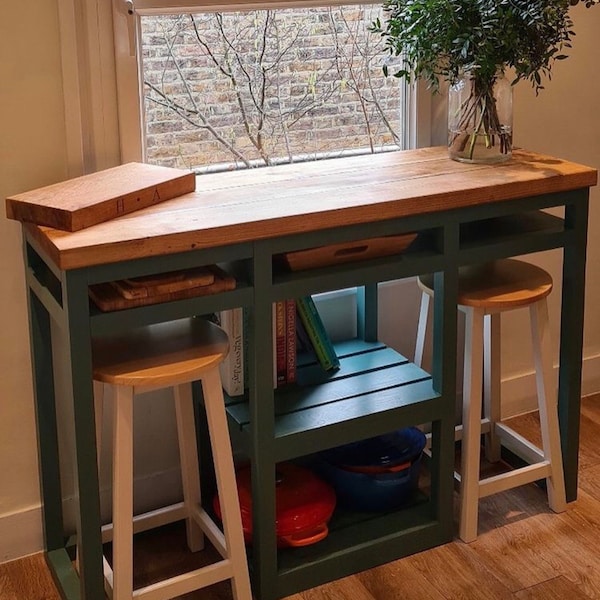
[
  {"x": 499, "y": 285},
  {"x": 160, "y": 355}
]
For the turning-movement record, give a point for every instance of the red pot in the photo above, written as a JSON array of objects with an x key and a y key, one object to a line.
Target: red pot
[{"x": 304, "y": 504}]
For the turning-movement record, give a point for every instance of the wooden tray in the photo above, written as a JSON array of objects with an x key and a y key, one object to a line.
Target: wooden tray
[
  {"x": 84, "y": 201},
  {"x": 107, "y": 297},
  {"x": 334, "y": 254}
]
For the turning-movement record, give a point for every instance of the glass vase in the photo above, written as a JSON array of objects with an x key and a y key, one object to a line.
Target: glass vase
[{"x": 480, "y": 119}]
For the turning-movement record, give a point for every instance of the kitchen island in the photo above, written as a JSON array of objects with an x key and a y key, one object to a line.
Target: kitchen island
[{"x": 245, "y": 221}]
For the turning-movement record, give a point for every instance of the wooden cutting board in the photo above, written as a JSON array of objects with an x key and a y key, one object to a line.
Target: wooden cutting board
[
  {"x": 152, "y": 285},
  {"x": 90, "y": 199},
  {"x": 107, "y": 296}
]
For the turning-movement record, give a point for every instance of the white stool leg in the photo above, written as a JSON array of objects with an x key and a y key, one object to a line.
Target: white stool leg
[
  {"x": 226, "y": 483},
  {"x": 123, "y": 494},
  {"x": 471, "y": 421},
  {"x": 421, "y": 329},
  {"x": 547, "y": 402},
  {"x": 188, "y": 455},
  {"x": 491, "y": 383}
]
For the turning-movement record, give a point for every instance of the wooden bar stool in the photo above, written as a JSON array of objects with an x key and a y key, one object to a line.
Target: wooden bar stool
[
  {"x": 171, "y": 355},
  {"x": 486, "y": 291}
]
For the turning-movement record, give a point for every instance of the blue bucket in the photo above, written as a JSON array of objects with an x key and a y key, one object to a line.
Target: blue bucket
[{"x": 377, "y": 474}]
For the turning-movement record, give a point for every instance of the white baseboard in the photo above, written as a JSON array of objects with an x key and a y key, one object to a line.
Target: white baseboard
[
  {"x": 21, "y": 532},
  {"x": 519, "y": 394},
  {"x": 590, "y": 379}
]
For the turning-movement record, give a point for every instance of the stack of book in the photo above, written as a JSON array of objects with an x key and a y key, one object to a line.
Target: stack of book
[{"x": 297, "y": 327}]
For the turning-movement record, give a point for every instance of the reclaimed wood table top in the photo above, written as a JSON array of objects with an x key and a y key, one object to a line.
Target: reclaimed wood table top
[{"x": 250, "y": 205}]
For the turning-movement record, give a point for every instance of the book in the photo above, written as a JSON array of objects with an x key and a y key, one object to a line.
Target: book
[
  {"x": 317, "y": 333},
  {"x": 279, "y": 344},
  {"x": 304, "y": 346},
  {"x": 232, "y": 367},
  {"x": 290, "y": 341}
]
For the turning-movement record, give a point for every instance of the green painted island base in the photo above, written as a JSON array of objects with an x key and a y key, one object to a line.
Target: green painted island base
[{"x": 463, "y": 215}]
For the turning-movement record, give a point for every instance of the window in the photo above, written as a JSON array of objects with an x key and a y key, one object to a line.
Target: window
[{"x": 227, "y": 87}]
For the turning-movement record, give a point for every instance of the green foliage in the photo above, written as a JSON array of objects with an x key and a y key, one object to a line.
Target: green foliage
[{"x": 440, "y": 39}]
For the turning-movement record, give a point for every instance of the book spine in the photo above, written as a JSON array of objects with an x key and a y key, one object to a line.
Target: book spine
[
  {"x": 279, "y": 344},
  {"x": 245, "y": 346},
  {"x": 290, "y": 341},
  {"x": 232, "y": 368},
  {"x": 317, "y": 333},
  {"x": 305, "y": 351}
]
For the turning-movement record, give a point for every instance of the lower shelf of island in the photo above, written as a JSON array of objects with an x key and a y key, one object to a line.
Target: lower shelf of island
[
  {"x": 357, "y": 542},
  {"x": 375, "y": 390}
]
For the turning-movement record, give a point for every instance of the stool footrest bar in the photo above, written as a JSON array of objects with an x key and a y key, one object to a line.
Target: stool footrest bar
[
  {"x": 150, "y": 520},
  {"x": 187, "y": 582},
  {"x": 514, "y": 478},
  {"x": 522, "y": 447},
  {"x": 211, "y": 530}
]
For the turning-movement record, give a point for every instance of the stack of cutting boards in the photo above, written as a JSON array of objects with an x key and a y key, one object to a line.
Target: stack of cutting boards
[{"x": 176, "y": 285}]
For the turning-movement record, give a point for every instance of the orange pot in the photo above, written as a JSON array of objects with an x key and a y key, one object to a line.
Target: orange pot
[{"x": 304, "y": 504}]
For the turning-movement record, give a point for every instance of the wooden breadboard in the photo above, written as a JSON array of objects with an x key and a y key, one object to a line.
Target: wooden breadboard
[{"x": 90, "y": 199}]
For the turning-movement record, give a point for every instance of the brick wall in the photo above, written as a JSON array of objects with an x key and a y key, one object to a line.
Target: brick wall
[{"x": 262, "y": 87}]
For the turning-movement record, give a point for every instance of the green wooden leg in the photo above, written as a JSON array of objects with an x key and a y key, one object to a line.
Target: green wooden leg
[
  {"x": 47, "y": 435},
  {"x": 64, "y": 575},
  {"x": 262, "y": 415},
  {"x": 444, "y": 378},
  {"x": 445, "y": 301},
  {"x": 367, "y": 313},
  {"x": 571, "y": 339},
  {"x": 78, "y": 367}
]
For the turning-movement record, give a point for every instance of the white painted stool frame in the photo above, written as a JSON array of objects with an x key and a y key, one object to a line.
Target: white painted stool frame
[
  {"x": 482, "y": 373},
  {"x": 230, "y": 544}
]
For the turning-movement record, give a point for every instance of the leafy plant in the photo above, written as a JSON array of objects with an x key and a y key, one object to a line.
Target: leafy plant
[{"x": 444, "y": 39}]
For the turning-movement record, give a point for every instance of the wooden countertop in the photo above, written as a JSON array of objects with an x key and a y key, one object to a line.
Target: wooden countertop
[{"x": 248, "y": 205}]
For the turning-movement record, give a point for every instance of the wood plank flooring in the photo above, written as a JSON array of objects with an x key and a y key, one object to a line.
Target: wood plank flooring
[{"x": 523, "y": 552}]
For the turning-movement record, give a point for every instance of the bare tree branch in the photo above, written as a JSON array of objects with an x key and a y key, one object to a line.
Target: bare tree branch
[{"x": 250, "y": 54}]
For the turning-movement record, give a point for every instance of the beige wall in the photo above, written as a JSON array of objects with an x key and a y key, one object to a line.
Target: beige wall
[
  {"x": 32, "y": 153},
  {"x": 564, "y": 120}
]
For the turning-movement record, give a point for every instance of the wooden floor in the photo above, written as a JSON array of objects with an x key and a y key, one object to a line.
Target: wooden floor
[{"x": 523, "y": 551}]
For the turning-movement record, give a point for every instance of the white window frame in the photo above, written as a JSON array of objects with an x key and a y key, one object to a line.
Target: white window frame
[
  {"x": 102, "y": 80},
  {"x": 89, "y": 85}
]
